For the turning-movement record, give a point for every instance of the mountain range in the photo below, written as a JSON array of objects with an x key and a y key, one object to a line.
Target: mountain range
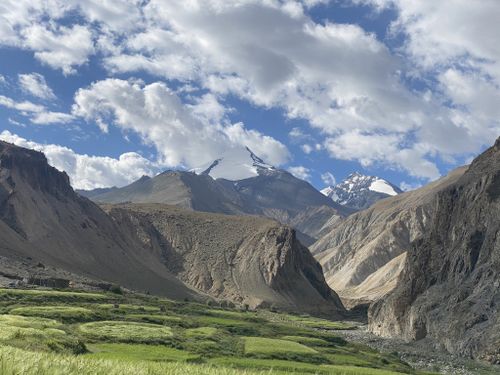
[
  {"x": 425, "y": 263},
  {"x": 269, "y": 192},
  {"x": 358, "y": 191},
  {"x": 158, "y": 248}
]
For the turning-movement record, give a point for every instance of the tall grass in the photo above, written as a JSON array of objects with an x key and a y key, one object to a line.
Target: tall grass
[{"x": 16, "y": 362}]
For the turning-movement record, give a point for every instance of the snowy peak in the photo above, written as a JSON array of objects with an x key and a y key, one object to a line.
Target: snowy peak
[
  {"x": 236, "y": 164},
  {"x": 359, "y": 191}
]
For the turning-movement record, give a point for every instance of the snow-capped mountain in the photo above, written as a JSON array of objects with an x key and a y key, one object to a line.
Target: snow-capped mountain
[
  {"x": 358, "y": 191},
  {"x": 236, "y": 164}
]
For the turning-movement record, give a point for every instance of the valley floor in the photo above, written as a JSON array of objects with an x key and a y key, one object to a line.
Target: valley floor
[{"x": 44, "y": 331}]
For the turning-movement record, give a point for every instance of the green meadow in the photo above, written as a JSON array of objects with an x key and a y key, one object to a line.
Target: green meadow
[{"x": 67, "y": 332}]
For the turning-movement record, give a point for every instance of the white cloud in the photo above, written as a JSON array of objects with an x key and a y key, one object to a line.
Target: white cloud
[
  {"x": 36, "y": 85},
  {"x": 3, "y": 81},
  {"x": 85, "y": 171},
  {"x": 300, "y": 172},
  {"x": 184, "y": 135},
  {"x": 389, "y": 149},
  {"x": 328, "y": 178},
  {"x": 38, "y": 114},
  {"x": 307, "y": 148},
  {"x": 61, "y": 47},
  {"x": 33, "y": 25},
  {"x": 272, "y": 54},
  {"x": 313, "y": 71}
]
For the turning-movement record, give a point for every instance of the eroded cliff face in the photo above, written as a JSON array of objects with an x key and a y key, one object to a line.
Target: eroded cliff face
[
  {"x": 363, "y": 255},
  {"x": 43, "y": 220},
  {"x": 248, "y": 260},
  {"x": 449, "y": 289}
]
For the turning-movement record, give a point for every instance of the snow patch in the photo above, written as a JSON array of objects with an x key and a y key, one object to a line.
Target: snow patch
[{"x": 381, "y": 186}]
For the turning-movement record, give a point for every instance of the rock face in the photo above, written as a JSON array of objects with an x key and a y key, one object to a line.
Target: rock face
[
  {"x": 43, "y": 220},
  {"x": 449, "y": 289},
  {"x": 363, "y": 255},
  {"x": 358, "y": 191},
  {"x": 272, "y": 193},
  {"x": 248, "y": 260}
]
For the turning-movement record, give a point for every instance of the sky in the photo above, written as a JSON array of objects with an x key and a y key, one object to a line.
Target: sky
[{"x": 113, "y": 90}]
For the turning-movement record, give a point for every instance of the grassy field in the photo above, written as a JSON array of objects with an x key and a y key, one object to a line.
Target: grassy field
[{"x": 58, "y": 332}]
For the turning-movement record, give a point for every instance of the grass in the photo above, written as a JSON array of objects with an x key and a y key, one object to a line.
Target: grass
[
  {"x": 15, "y": 362},
  {"x": 126, "y": 308},
  {"x": 139, "y": 352},
  {"x": 273, "y": 347},
  {"x": 286, "y": 366},
  {"x": 65, "y": 313},
  {"x": 49, "y": 295},
  {"x": 126, "y": 331},
  {"x": 201, "y": 332},
  {"x": 61, "y": 332},
  {"x": 29, "y": 322},
  {"x": 312, "y": 341},
  {"x": 155, "y": 319}
]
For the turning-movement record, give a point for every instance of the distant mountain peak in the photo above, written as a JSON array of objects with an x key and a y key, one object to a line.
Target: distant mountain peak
[
  {"x": 236, "y": 164},
  {"x": 359, "y": 191}
]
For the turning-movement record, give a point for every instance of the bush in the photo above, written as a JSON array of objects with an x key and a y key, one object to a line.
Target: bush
[{"x": 116, "y": 289}]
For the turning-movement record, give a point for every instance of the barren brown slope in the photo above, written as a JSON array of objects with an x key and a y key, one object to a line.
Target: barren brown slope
[
  {"x": 246, "y": 259},
  {"x": 449, "y": 290},
  {"x": 41, "y": 218},
  {"x": 354, "y": 251}
]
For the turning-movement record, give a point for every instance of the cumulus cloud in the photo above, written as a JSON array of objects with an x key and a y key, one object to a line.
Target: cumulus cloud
[
  {"x": 272, "y": 54},
  {"x": 300, "y": 172},
  {"x": 35, "y": 84},
  {"x": 87, "y": 171},
  {"x": 33, "y": 26},
  {"x": 184, "y": 135},
  {"x": 38, "y": 114}
]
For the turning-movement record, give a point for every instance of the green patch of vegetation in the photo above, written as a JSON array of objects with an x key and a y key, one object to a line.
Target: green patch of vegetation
[
  {"x": 13, "y": 332},
  {"x": 15, "y": 361},
  {"x": 126, "y": 308},
  {"x": 312, "y": 322},
  {"x": 201, "y": 332},
  {"x": 64, "y": 313},
  {"x": 117, "y": 331},
  {"x": 37, "y": 295},
  {"x": 261, "y": 346},
  {"x": 312, "y": 341},
  {"x": 286, "y": 366},
  {"x": 155, "y": 319},
  {"x": 28, "y": 322},
  {"x": 353, "y": 370},
  {"x": 140, "y": 352},
  {"x": 126, "y": 331}
]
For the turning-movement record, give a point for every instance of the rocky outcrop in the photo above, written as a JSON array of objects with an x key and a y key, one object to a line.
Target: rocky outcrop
[
  {"x": 449, "y": 289},
  {"x": 248, "y": 260},
  {"x": 363, "y": 255}
]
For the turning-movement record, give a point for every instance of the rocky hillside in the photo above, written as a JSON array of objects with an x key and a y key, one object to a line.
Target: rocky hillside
[
  {"x": 248, "y": 260},
  {"x": 449, "y": 289},
  {"x": 363, "y": 255},
  {"x": 43, "y": 221}
]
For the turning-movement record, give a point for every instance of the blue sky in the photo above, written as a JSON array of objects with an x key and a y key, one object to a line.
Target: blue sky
[{"x": 117, "y": 89}]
